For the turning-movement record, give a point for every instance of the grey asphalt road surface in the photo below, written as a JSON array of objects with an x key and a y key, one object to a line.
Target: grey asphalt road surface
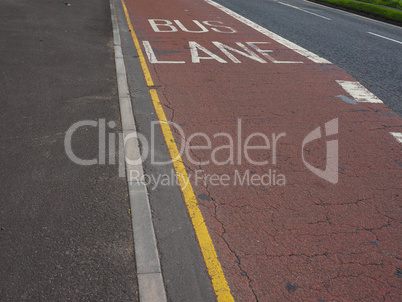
[
  {"x": 350, "y": 41},
  {"x": 65, "y": 229}
]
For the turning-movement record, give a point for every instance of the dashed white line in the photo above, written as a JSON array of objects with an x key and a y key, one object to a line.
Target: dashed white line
[
  {"x": 359, "y": 92},
  {"x": 303, "y": 10},
  {"x": 398, "y": 136},
  {"x": 396, "y": 41},
  {"x": 304, "y": 52}
]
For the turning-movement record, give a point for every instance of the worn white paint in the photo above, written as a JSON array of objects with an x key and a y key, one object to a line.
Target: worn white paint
[
  {"x": 359, "y": 92},
  {"x": 195, "y": 57}
]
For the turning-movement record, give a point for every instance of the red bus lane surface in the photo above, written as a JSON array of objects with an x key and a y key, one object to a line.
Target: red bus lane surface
[{"x": 296, "y": 167}]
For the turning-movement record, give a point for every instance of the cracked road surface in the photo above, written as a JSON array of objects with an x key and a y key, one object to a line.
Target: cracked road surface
[{"x": 280, "y": 230}]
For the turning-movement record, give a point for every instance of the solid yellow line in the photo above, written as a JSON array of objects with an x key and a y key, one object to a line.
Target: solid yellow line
[
  {"x": 214, "y": 267},
  {"x": 144, "y": 66}
]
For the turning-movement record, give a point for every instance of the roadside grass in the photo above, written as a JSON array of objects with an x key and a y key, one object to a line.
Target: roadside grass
[
  {"x": 390, "y": 3},
  {"x": 370, "y": 9}
]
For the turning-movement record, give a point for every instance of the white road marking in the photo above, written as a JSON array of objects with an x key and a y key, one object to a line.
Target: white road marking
[
  {"x": 149, "y": 274},
  {"x": 398, "y": 136},
  {"x": 306, "y": 11},
  {"x": 384, "y": 37},
  {"x": 152, "y": 57},
  {"x": 304, "y": 52},
  {"x": 195, "y": 57},
  {"x": 359, "y": 92},
  {"x": 265, "y": 53}
]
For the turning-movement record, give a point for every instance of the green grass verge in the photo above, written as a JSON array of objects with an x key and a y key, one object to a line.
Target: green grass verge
[
  {"x": 391, "y": 3},
  {"x": 374, "y": 10}
]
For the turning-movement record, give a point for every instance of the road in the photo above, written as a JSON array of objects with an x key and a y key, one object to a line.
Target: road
[
  {"x": 263, "y": 146},
  {"x": 287, "y": 220},
  {"x": 345, "y": 39}
]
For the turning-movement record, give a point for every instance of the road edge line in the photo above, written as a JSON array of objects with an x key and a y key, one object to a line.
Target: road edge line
[
  {"x": 303, "y": 10},
  {"x": 149, "y": 274},
  {"x": 214, "y": 268}
]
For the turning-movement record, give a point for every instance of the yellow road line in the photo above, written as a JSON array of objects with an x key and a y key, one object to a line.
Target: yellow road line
[
  {"x": 214, "y": 267},
  {"x": 144, "y": 66}
]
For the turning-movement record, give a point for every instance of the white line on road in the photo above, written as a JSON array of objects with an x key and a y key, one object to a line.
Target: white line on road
[
  {"x": 306, "y": 11},
  {"x": 304, "y": 52},
  {"x": 359, "y": 92},
  {"x": 398, "y": 136},
  {"x": 384, "y": 37}
]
